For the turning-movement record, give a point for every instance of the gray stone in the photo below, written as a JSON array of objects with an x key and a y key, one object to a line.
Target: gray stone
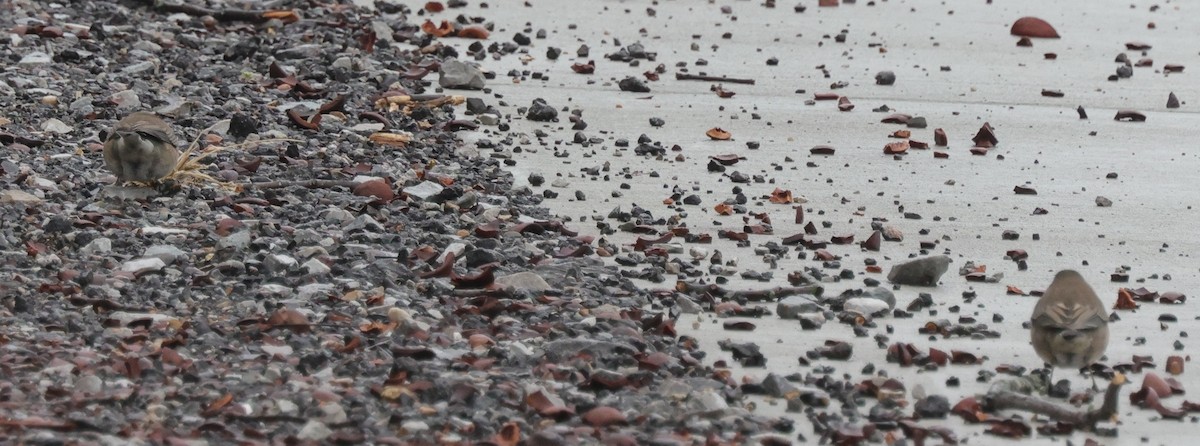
[
  {"x": 633, "y": 84},
  {"x": 140, "y": 67},
  {"x": 524, "y": 281},
  {"x": 129, "y": 193},
  {"x": 458, "y": 74},
  {"x": 18, "y": 196},
  {"x": 126, "y": 100},
  {"x": 89, "y": 384},
  {"x": 935, "y": 406},
  {"x": 777, "y": 386},
  {"x": 1124, "y": 71},
  {"x": 687, "y": 306},
  {"x": 99, "y": 246},
  {"x": 286, "y": 407},
  {"x": 885, "y": 78},
  {"x": 924, "y": 271},
  {"x": 314, "y": 290},
  {"x": 363, "y": 222},
  {"x": 35, "y": 58},
  {"x": 316, "y": 267},
  {"x": 488, "y": 119},
  {"x": 709, "y": 401},
  {"x": 314, "y": 430},
  {"x": 792, "y": 306},
  {"x": 143, "y": 265},
  {"x": 237, "y": 241},
  {"x": 567, "y": 348},
  {"x": 307, "y": 51},
  {"x": 892, "y": 233},
  {"x": 424, "y": 190},
  {"x": 865, "y": 305},
  {"x": 279, "y": 263},
  {"x": 333, "y": 413},
  {"x": 412, "y": 427},
  {"x": 53, "y": 125},
  {"x": 811, "y": 321},
  {"x": 1103, "y": 202},
  {"x": 168, "y": 253},
  {"x": 882, "y": 294},
  {"x": 541, "y": 111}
]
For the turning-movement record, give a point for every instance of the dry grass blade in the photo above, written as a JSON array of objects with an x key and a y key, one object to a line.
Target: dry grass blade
[{"x": 188, "y": 168}]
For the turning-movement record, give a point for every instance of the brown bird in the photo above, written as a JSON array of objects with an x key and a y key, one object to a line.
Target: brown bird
[
  {"x": 140, "y": 148},
  {"x": 1070, "y": 326}
]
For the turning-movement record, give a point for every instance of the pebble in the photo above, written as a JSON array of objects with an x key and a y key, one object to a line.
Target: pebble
[{"x": 885, "y": 78}]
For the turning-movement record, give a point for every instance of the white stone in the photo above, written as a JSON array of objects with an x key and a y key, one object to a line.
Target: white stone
[
  {"x": 18, "y": 196},
  {"x": 424, "y": 190},
  {"x": 316, "y": 267},
  {"x": 143, "y": 265},
  {"x": 102, "y": 245},
  {"x": 35, "y": 58},
  {"x": 54, "y": 125},
  {"x": 525, "y": 280},
  {"x": 168, "y": 253},
  {"x": 865, "y": 305},
  {"x": 314, "y": 430}
]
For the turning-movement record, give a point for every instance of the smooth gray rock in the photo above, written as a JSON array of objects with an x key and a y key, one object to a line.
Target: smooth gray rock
[
  {"x": 924, "y": 271},
  {"x": 866, "y": 305},
  {"x": 424, "y": 190},
  {"x": 142, "y": 266},
  {"x": 882, "y": 294},
  {"x": 777, "y": 386},
  {"x": 541, "y": 111},
  {"x": 792, "y": 307},
  {"x": 168, "y": 253},
  {"x": 524, "y": 281},
  {"x": 885, "y": 78},
  {"x": 461, "y": 75}
]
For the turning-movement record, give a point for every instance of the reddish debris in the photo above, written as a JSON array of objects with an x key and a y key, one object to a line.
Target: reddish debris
[
  {"x": 1175, "y": 365},
  {"x": 986, "y": 137},
  {"x": 1130, "y": 116},
  {"x": 1033, "y": 27},
  {"x": 895, "y": 148},
  {"x": 584, "y": 68},
  {"x": 844, "y": 104},
  {"x": 873, "y": 242},
  {"x": 897, "y": 118},
  {"x": 821, "y": 150}
]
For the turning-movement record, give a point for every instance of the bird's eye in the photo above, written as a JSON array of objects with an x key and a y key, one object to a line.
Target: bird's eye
[{"x": 1053, "y": 329}]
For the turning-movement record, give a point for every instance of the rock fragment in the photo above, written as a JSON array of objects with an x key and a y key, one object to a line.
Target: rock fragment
[
  {"x": 925, "y": 271},
  {"x": 1033, "y": 27}
]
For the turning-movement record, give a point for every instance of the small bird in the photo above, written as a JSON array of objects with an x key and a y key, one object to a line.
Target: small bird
[
  {"x": 1070, "y": 327},
  {"x": 140, "y": 148}
]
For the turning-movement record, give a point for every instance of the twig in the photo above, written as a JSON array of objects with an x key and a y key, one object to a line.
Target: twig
[
  {"x": 700, "y": 77},
  {"x": 752, "y": 295},
  {"x": 369, "y": 347},
  {"x": 310, "y": 184},
  {"x": 493, "y": 292},
  {"x": 223, "y": 15},
  {"x": 407, "y": 102},
  {"x": 999, "y": 398},
  {"x": 265, "y": 418}
]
